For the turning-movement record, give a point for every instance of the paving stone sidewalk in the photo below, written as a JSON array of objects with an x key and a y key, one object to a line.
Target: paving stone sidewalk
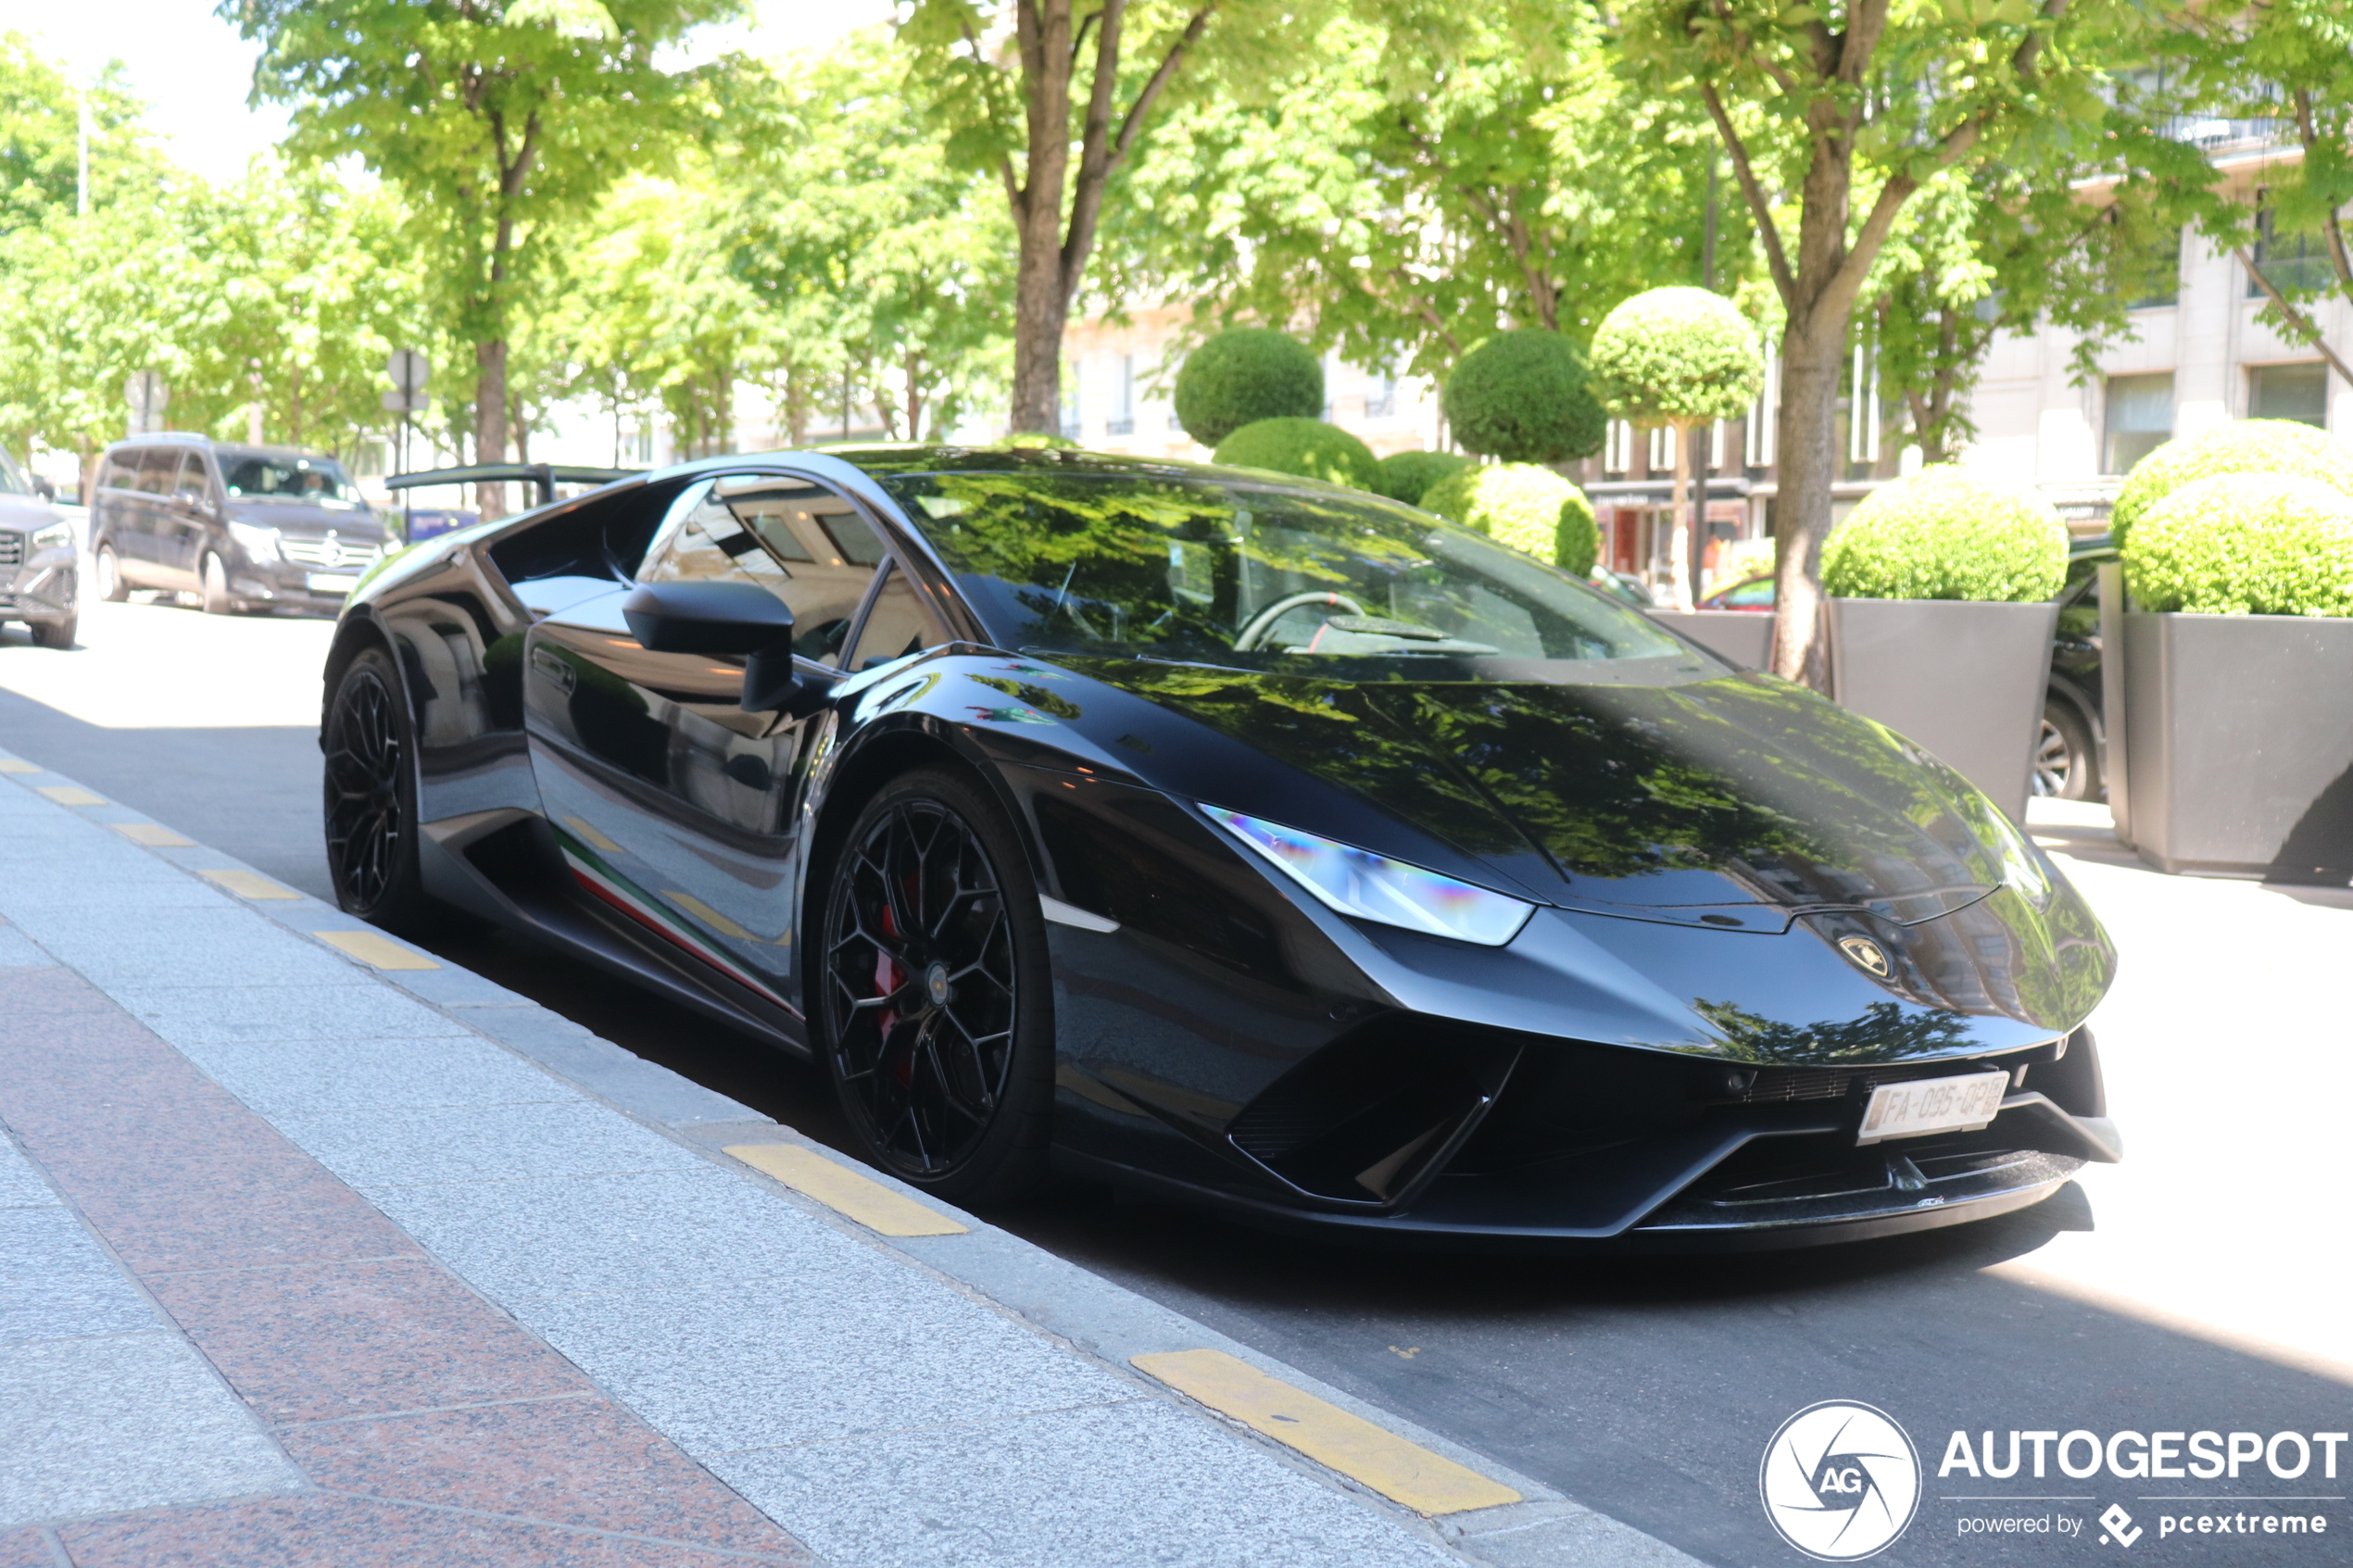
[{"x": 306, "y": 1261}]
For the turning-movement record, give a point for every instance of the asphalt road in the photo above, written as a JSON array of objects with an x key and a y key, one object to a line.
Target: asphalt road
[{"x": 2200, "y": 1286}]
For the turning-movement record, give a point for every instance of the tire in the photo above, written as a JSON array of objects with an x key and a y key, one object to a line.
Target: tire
[
  {"x": 55, "y": 633},
  {"x": 111, "y": 587},
  {"x": 370, "y": 797},
  {"x": 933, "y": 1004},
  {"x": 2066, "y": 765},
  {"x": 214, "y": 572}
]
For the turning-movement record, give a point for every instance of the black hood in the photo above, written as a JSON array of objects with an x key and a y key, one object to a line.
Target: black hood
[{"x": 1680, "y": 798}]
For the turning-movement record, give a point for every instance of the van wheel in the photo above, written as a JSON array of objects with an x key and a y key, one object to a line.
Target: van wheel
[
  {"x": 216, "y": 587},
  {"x": 111, "y": 587}
]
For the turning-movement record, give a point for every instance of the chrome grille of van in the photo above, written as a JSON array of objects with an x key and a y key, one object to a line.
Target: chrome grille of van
[
  {"x": 332, "y": 554},
  {"x": 11, "y": 549}
]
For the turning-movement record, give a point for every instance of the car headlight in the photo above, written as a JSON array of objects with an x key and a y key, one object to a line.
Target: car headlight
[
  {"x": 258, "y": 543},
  {"x": 1357, "y": 881},
  {"x": 55, "y": 536}
]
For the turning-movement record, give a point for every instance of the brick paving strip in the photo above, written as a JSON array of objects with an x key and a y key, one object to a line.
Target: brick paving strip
[{"x": 306, "y": 1263}]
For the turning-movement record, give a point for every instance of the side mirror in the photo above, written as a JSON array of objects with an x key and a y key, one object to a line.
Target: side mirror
[
  {"x": 195, "y": 498},
  {"x": 738, "y": 618},
  {"x": 43, "y": 489}
]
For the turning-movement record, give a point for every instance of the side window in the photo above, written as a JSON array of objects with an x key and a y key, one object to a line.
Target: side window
[
  {"x": 120, "y": 471},
  {"x": 158, "y": 465},
  {"x": 191, "y": 476},
  {"x": 798, "y": 540},
  {"x": 898, "y": 625}
]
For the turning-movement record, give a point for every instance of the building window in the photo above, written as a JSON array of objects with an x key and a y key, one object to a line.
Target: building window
[
  {"x": 2158, "y": 276},
  {"x": 1757, "y": 447},
  {"x": 1661, "y": 453},
  {"x": 1382, "y": 403},
  {"x": 1122, "y": 398},
  {"x": 2140, "y": 419},
  {"x": 1617, "y": 447},
  {"x": 2289, "y": 392},
  {"x": 2289, "y": 262}
]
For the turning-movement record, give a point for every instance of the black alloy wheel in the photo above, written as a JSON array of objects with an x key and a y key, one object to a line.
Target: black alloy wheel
[
  {"x": 934, "y": 992},
  {"x": 371, "y": 795}
]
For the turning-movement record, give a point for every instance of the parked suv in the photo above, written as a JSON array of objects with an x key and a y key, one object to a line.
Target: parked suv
[
  {"x": 242, "y": 527},
  {"x": 37, "y": 575}
]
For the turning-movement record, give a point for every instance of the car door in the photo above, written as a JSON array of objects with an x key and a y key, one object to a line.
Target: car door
[
  {"x": 667, "y": 800},
  {"x": 114, "y": 511},
  {"x": 184, "y": 527}
]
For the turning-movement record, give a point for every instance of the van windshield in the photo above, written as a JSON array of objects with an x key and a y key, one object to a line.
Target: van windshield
[{"x": 309, "y": 480}]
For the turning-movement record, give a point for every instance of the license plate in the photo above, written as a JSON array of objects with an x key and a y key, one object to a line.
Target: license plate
[
  {"x": 333, "y": 582},
  {"x": 1933, "y": 1105}
]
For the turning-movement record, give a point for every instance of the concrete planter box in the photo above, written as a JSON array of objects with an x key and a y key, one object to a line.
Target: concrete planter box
[
  {"x": 2239, "y": 744},
  {"x": 1745, "y": 636},
  {"x": 1964, "y": 680}
]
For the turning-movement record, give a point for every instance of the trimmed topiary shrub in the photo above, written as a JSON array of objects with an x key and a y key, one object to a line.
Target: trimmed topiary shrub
[
  {"x": 1677, "y": 356},
  {"x": 1307, "y": 448},
  {"x": 2244, "y": 447},
  {"x": 1406, "y": 476},
  {"x": 2245, "y": 544},
  {"x": 1522, "y": 396},
  {"x": 1245, "y": 375},
  {"x": 1036, "y": 441},
  {"x": 1944, "y": 534},
  {"x": 1530, "y": 508}
]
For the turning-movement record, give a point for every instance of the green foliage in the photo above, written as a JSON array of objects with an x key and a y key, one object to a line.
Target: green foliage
[
  {"x": 1944, "y": 534},
  {"x": 1036, "y": 441},
  {"x": 1243, "y": 376},
  {"x": 1307, "y": 448},
  {"x": 1677, "y": 356},
  {"x": 1406, "y": 476},
  {"x": 1530, "y": 508},
  {"x": 40, "y": 131},
  {"x": 2245, "y": 544},
  {"x": 2241, "y": 446},
  {"x": 1523, "y": 396}
]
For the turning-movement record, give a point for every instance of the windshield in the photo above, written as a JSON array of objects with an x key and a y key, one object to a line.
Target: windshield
[
  {"x": 310, "y": 479},
  {"x": 12, "y": 480},
  {"x": 1255, "y": 575}
]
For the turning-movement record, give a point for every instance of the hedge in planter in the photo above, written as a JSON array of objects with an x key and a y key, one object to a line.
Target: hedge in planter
[
  {"x": 1943, "y": 534},
  {"x": 2242, "y": 447},
  {"x": 1307, "y": 448},
  {"x": 1528, "y": 508},
  {"x": 1245, "y": 375},
  {"x": 1407, "y": 476},
  {"x": 2245, "y": 544},
  {"x": 1522, "y": 396}
]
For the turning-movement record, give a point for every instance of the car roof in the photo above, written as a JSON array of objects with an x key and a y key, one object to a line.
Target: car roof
[
  {"x": 222, "y": 448},
  {"x": 902, "y": 459}
]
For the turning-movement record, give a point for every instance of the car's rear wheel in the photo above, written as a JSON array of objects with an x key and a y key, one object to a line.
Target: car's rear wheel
[
  {"x": 55, "y": 633},
  {"x": 933, "y": 992},
  {"x": 111, "y": 587},
  {"x": 215, "y": 586},
  {"x": 371, "y": 795},
  {"x": 2066, "y": 766}
]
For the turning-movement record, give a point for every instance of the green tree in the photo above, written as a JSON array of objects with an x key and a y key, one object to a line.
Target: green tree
[
  {"x": 1683, "y": 358},
  {"x": 494, "y": 119},
  {"x": 1833, "y": 122},
  {"x": 1522, "y": 396},
  {"x": 1243, "y": 376},
  {"x": 40, "y": 136}
]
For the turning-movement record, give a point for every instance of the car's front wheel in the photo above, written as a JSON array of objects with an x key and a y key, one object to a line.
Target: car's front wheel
[
  {"x": 371, "y": 795},
  {"x": 933, "y": 992},
  {"x": 2065, "y": 764},
  {"x": 111, "y": 587},
  {"x": 215, "y": 574}
]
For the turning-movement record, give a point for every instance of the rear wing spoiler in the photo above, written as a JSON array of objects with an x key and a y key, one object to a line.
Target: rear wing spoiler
[{"x": 546, "y": 476}]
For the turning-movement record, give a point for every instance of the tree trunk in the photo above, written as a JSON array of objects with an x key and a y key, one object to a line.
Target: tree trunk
[
  {"x": 1811, "y": 366},
  {"x": 1678, "y": 548},
  {"x": 490, "y": 423}
]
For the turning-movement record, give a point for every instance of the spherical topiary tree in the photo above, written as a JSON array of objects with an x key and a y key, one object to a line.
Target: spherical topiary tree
[
  {"x": 1528, "y": 508},
  {"x": 1243, "y": 376},
  {"x": 1307, "y": 448},
  {"x": 1036, "y": 441},
  {"x": 1406, "y": 476},
  {"x": 2245, "y": 544},
  {"x": 1683, "y": 358},
  {"x": 1944, "y": 534},
  {"x": 1523, "y": 396},
  {"x": 2241, "y": 446}
]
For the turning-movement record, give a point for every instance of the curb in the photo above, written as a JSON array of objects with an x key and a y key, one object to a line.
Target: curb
[{"x": 1124, "y": 1333}]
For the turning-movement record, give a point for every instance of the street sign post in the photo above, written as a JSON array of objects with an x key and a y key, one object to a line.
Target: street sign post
[
  {"x": 408, "y": 370},
  {"x": 147, "y": 393}
]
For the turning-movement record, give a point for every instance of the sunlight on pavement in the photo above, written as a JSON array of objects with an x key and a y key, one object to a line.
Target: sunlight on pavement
[
  {"x": 2223, "y": 1045},
  {"x": 155, "y": 666}
]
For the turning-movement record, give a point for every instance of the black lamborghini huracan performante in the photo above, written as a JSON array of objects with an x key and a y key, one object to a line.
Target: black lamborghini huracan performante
[{"x": 1243, "y": 839}]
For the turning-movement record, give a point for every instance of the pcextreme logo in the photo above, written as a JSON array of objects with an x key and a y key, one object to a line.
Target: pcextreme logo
[{"x": 1840, "y": 1481}]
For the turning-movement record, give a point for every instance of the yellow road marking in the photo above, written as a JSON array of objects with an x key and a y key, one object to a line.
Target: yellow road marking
[
  {"x": 375, "y": 949},
  {"x": 708, "y": 915},
  {"x": 597, "y": 841},
  {"x": 72, "y": 794},
  {"x": 18, "y": 765},
  {"x": 844, "y": 1191},
  {"x": 243, "y": 883},
  {"x": 154, "y": 835},
  {"x": 1398, "y": 1470}
]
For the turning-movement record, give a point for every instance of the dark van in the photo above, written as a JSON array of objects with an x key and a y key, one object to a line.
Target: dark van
[{"x": 242, "y": 527}]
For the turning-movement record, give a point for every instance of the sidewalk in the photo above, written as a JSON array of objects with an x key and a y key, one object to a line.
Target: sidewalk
[{"x": 316, "y": 1250}]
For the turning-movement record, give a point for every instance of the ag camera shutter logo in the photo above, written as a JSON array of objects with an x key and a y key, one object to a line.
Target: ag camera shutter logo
[{"x": 1840, "y": 1481}]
